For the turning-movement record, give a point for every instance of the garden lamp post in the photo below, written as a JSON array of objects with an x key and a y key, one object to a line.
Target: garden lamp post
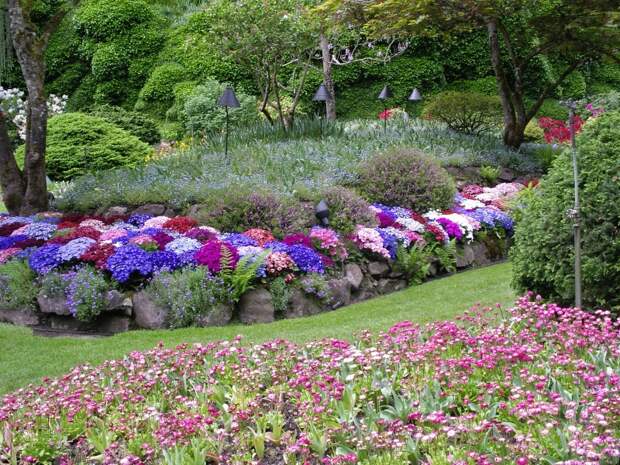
[
  {"x": 322, "y": 213},
  {"x": 321, "y": 95},
  {"x": 228, "y": 100},
  {"x": 575, "y": 213},
  {"x": 415, "y": 96},
  {"x": 385, "y": 94}
]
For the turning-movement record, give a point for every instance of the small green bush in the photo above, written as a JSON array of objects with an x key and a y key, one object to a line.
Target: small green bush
[
  {"x": 346, "y": 209},
  {"x": 543, "y": 253},
  {"x": 465, "y": 112},
  {"x": 17, "y": 286},
  {"x": 133, "y": 122},
  {"x": 78, "y": 144},
  {"x": 533, "y": 132},
  {"x": 552, "y": 109},
  {"x": 239, "y": 210},
  {"x": 407, "y": 178},
  {"x": 160, "y": 85},
  {"x": 201, "y": 113},
  {"x": 188, "y": 295}
]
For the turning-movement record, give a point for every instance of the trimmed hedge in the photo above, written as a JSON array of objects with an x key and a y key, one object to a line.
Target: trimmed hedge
[
  {"x": 78, "y": 144},
  {"x": 543, "y": 254}
]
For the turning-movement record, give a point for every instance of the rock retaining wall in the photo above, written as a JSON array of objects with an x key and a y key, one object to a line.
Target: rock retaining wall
[{"x": 136, "y": 310}]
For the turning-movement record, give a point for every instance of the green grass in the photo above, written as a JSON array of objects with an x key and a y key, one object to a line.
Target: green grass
[{"x": 26, "y": 359}]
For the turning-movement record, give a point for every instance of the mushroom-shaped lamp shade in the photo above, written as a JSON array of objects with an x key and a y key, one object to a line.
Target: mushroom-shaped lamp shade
[
  {"x": 322, "y": 94},
  {"x": 415, "y": 96},
  {"x": 322, "y": 213},
  {"x": 385, "y": 94},
  {"x": 228, "y": 99}
]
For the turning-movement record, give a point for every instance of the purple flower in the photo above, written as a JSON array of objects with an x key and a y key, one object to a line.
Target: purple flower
[
  {"x": 10, "y": 241},
  {"x": 453, "y": 229},
  {"x": 390, "y": 242},
  {"x": 306, "y": 259},
  {"x": 210, "y": 255},
  {"x": 127, "y": 260},
  {"x": 299, "y": 238},
  {"x": 45, "y": 259}
]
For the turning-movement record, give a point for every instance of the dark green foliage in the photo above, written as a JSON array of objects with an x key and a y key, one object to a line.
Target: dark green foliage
[
  {"x": 237, "y": 209},
  {"x": 280, "y": 292},
  {"x": 552, "y": 109},
  {"x": 408, "y": 178},
  {"x": 465, "y": 112},
  {"x": 485, "y": 86},
  {"x": 119, "y": 42},
  {"x": 78, "y": 144},
  {"x": 17, "y": 286},
  {"x": 346, "y": 209},
  {"x": 414, "y": 263},
  {"x": 133, "y": 122},
  {"x": 543, "y": 253}
]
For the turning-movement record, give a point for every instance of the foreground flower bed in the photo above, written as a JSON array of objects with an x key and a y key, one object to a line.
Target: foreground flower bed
[
  {"x": 543, "y": 386},
  {"x": 85, "y": 266}
]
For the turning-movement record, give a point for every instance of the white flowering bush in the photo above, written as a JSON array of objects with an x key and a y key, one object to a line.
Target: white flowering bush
[{"x": 14, "y": 104}]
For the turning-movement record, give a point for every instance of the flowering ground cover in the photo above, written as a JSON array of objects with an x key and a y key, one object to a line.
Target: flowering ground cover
[
  {"x": 129, "y": 250},
  {"x": 541, "y": 386}
]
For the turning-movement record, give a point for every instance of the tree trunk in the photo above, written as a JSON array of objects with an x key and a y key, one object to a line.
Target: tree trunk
[
  {"x": 514, "y": 116},
  {"x": 11, "y": 179},
  {"x": 29, "y": 50},
  {"x": 328, "y": 79}
]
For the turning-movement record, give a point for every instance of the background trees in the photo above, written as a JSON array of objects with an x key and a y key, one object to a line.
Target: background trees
[{"x": 519, "y": 32}]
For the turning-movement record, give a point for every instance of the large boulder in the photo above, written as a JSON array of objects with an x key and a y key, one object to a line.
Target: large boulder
[
  {"x": 465, "y": 256},
  {"x": 22, "y": 317},
  {"x": 56, "y": 305},
  {"x": 256, "y": 306},
  {"x": 354, "y": 275},
  {"x": 481, "y": 255},
  {"x": 378, "y": 269},
  {"x": 387, "y": 286},
  {"x": 219, "y": 316},
  {"x": 340, "y": 293},
  {"x": 153, "y": 209},
  {"x": 301, "y": 304},
  {"x": 147, "y": 313}
]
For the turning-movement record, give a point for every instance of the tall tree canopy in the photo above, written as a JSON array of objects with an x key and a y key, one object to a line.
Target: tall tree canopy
[
  {"x": 520, "y": 32},
  {"x": 31, "y": 24}
]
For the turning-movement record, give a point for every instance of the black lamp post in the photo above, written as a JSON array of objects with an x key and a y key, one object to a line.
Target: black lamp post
[
  {"x": 385, "y": 94},
  {"x": 228, "y": 100},
  {"x": 322, "y": 213},
  {"x": 321, "y": 95},
  {"x": 415, "y": 96}
]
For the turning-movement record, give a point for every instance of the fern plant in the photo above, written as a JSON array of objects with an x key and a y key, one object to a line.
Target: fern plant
[
  {"x": 445, "y": 254},
  {"x": 414, "y": 263},
  {"x": 242, "y": 278}
]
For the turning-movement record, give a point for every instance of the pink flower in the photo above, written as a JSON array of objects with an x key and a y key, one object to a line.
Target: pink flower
[
  {"x": 279, "y": 262},
  {"x": 261, "y": 236}
]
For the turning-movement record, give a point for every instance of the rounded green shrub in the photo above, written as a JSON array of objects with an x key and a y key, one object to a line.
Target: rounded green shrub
[
  {"x": 408, "y": 178},
  {"x": 161, "y": 82},
  {"x": 533, "y": 132},
  {"x": 18, "y": 290},
  {"x": 543, "y": 253},
  {"x": 78, "y": 144},
  {"x": 552, "y": 109},
  {"x": 202, "y": 114},
  {"x": 101, "y": 19},
  {"x": 465, "y": 112},
  {"x": 238, "y": 209},
  {"x": 133, "y": 122}
]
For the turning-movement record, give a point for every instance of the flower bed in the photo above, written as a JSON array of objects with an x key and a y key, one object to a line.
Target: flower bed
[
  {"x": 543, "y": 386},
  {"x": 71, "y": 255}
]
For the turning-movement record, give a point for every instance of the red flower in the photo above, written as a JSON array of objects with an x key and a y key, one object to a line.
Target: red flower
[
  {"x": 98, "y": 254},
  {"x": 387, "y": 114},
  {"x": 181, "y": 224},
  {"x": 558, "y": 131}
]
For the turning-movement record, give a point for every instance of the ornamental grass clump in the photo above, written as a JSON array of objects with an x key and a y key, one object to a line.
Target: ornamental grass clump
[
  {"x": 408, "y": 178},
  {"x": 17, "y": 286},
  {"x": 541, "y": 385}
]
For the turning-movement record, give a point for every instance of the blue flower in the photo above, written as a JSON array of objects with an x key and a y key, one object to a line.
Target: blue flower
[
  {"x": 40, "y": 231},
  {"x": 390, "y": 242},
  {"x": 239, "y": 240},
  {"x": 10, "y": 241},
  {"x": 45, "y": 259},
  {"x": 138, "y": 219},
  {"x": 306, "y": 259},
  {"x": 183, "y": 245},
  {"x": 75, "y": 248},
  {"x": 276, "y": 246},
  {"x": 163, "y": 260},
  {"x": 127, "y": 260}
]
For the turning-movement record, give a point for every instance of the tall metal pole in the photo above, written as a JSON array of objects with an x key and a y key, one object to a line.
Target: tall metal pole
[
  {"x": 226, "y": 137},
  {"x": 575, "y": 213},
  {"x": 384, "y": 117}
]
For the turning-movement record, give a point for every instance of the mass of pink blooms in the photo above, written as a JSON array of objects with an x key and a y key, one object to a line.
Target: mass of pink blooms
[{"x": 539, "y": 385}]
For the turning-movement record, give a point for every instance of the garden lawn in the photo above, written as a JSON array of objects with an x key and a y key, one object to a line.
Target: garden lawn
[{"x": 26, "y": 359}]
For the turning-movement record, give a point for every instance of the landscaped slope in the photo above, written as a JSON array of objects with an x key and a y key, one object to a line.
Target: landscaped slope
[{"x": 542, "y": 386}]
